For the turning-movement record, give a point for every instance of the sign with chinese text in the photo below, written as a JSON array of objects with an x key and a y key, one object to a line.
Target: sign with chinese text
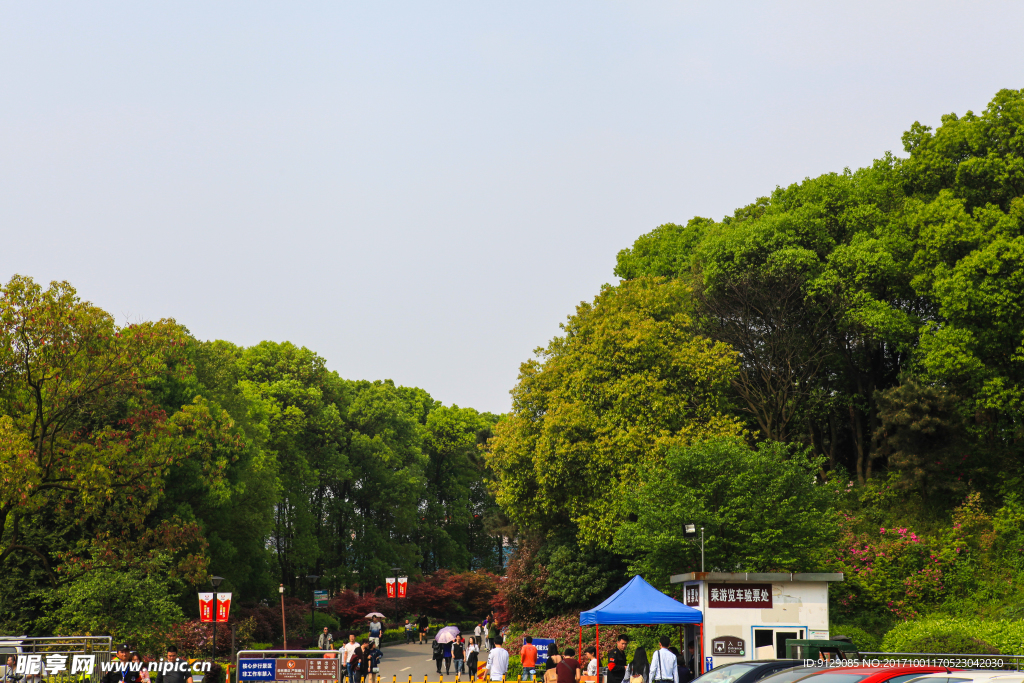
[
  {"x": 223, "y": 606},
  {"x": 206, "y": 607},
  {"x": 403, "y": 585},
  {"x": 728, "y": 646},
  {"x": 751, "y": 595},
  {"x": 691, "y": 594},
  {"x": 290, "y": 670},
  {"x": 322, "y": 669},
  {"x": 256, "y": 669},
  {"x": 390, "y": 583},
  {"x": 320, "y": 597},
  {"x": 542, "y": 649}
]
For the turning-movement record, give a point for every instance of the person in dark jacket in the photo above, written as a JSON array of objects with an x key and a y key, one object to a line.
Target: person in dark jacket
[
  {"x": 617, "y": 660},
  {"x": 438, "y": 654},
  {"x": 116, "y": 675},
  {"x": 638, "y": 667},
  {"x": 174, "y": 676}
]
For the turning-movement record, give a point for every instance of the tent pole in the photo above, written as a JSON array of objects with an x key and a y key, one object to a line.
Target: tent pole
[
  {"x": 597, "y": 651},
  {"x": 700, "y": 665},
  {"x": 581, "y": 643}
]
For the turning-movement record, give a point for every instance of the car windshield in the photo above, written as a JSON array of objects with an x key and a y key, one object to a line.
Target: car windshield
[
  {"x": 790, "y": 675},
  {"x": 725, "y": 674}
]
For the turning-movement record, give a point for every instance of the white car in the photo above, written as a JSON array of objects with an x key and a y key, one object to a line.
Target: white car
[{"x": 8, "y": 647}]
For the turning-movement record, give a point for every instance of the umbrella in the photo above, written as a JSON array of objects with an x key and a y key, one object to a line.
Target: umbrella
[
  {"x": 447, "y": 634},
  {"x": 374, "y": 614}
]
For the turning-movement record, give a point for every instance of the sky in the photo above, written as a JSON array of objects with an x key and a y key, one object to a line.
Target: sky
[{"x": 424, "y": 191}]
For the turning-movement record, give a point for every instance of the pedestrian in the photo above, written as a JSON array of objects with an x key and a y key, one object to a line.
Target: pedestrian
[
  {"x": 636, "y": 672},
  {"x": 409, "y": 628},
  {"x": 173, "y": 676},
  {"x": 325, "y": 641},
  {"x": 424, "y": 625},
  {"x": 374, "y": 655},
  {"x": 472, "y": 657},
  {"x": 119, "y": 674},
  {"x": 355, "y": 663},
  {"x": 664, "y": 665},
  {"x": 591, "y": 656},
  {"x": 12, "y": 665},
  {"x": 691, "y": 660},
  {"x": 568, "y": 670},
  {"x": 617, "y": 660},
  {"x": 478, "y": 632},
  {"x": 446, "y": 653},
  {"x": 346, "y": 654},
  {"x": 551, "y": 668},
  {"x": 364, "y": 660},
  {"x": 684, "y": 672},
  {"x": 497, "y": 661},
  {"x": 459, "y": 655},
  {"x": 375, "y": 629},
  {"x": 492, "y": 633},
  {"x": 528, "y": 657},
  {"x": 139, "y": 665}
]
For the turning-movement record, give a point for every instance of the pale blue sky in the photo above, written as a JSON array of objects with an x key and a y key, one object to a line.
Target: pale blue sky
[{"x": 423, "y": 191}]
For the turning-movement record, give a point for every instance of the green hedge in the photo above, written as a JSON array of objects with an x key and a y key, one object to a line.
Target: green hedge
[
  {"x": 864, "y": 641},
  {"x": 957, "y": 636}
]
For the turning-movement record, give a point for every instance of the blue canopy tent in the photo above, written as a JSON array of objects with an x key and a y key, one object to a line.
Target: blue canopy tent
[{"x": 638, "y": 602}]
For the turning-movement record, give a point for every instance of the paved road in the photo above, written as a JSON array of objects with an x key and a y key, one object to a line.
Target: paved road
[{"x": 405, "y": 660}]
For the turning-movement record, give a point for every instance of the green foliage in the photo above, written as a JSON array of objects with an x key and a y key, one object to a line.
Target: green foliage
[
  {"x": 963, "y": 635},
  {"x": 321, "y": 619},
  {"x": 864, "y": 641},
  {"x": 133, "y": 606},
  {"x": 629, "y": 374},
  {"x": 762, "y": 510}
]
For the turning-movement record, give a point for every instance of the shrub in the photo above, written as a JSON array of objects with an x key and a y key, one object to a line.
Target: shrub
[
  {"x": 960, "y": 636},
  {"x": 864, "y": 641}
]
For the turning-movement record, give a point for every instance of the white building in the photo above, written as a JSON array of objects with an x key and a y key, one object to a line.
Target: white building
[{"x": 750, "y": 616}]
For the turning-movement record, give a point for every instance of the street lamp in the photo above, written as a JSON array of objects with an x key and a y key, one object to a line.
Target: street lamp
[
  {"x": 690, "y": 531},
  {"x": 312, "y": 579},
  {"x": 215, "y": 582},
  {"x": 284, "y": 626}
]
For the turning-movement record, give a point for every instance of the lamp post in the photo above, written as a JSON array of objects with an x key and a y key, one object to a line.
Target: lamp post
[
  {"x": 215, "y": 582},
  {"x": 690, "y": 531},
  {"x": 284, "y": 626},
  {"x": 312, "y": 579}
]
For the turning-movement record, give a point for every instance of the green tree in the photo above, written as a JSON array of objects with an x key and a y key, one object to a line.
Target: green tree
[
  {"x": 762, "y": 509},
  {"x": 629, "y": 374}
]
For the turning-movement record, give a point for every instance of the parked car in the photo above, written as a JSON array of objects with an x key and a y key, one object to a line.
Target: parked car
[
  {"x": 868, "y": 674},
  {"x": 979, "y": 676},
  {"x": 748, "y": 671}
]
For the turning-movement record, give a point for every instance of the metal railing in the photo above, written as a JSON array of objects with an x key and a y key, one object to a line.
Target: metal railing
[
  {"x": 318, "y": 654},
  {"x": 99, "y": 646},
  {"x": 948, "y": 659}
]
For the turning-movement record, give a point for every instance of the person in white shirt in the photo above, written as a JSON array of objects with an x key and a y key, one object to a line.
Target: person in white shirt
[
  {"x": 497, "y": 660},
  {"x": 664, "y": 667},
  {"x": 346, "y": 654},
  {"x": 591, "y": 655}
]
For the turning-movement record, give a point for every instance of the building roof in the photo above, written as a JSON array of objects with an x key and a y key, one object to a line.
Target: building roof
[{"x": 742, "y": 577}]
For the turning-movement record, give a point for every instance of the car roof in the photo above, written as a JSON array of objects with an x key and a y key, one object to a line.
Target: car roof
[{"x": 982, "y": 675}]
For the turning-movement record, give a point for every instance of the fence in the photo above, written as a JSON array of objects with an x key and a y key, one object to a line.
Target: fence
[
  {"x": 60, "y": 647},
  {"x": 274, "y": 654}
]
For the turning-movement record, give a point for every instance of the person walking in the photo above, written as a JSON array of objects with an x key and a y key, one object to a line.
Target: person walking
[
  {"x": 374, "y": 654},
  {"x": 459, "y": 655},
  {"x": 375, "y": 629},
  {"x": 409, "y": 628},
  {"x": 551, "y": 668},
  {"x": 347, "y": 651},
  {"x": 437, "y": 654},
  {"x": 497, "y": 661},
  {"x": 356, "y": 663},
  {"x": 446, "y": 653},
  {"x": 12, "y": 666},
  {"x": 122, "y": 676},
  {"x": 424, "y": 625},
  {"x": 617, "y": 660},
  {"x": 325, "y": 641},
  {"x": 528, "y": 657},
  {"x": 492, "y": 633},
  {"x": 478, "y": 632},
  {"x": 684, "y": 673},
  {"x": 472, "y": 657},
  {"x": 664, "y": 665}
]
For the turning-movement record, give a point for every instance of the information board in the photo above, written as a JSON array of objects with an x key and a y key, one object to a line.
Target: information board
[
  {"x": 322, "y": 669},
  {"x": 256, "y": 669},
  {"x": 290, "y": 670},
  {"x": 320, "y": 597}
]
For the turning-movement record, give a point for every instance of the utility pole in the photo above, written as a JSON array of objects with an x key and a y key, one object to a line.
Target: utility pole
[{"x": 284, "y": 626}]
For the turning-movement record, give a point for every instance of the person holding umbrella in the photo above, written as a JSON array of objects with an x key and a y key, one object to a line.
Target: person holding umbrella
[
  {"x": 444, "y": 638},
  {"x": 375, "y": 627}
]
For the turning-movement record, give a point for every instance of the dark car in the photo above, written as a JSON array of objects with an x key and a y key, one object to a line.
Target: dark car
[
  {"x": 750, "y": 671},
  {"x": 867, "y": 674}
]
